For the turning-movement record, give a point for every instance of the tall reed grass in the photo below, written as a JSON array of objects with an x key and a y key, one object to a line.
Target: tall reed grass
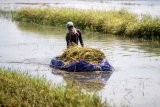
[
  {"x": 19, "y": 89},
  {"x": 112, "y": 22}
]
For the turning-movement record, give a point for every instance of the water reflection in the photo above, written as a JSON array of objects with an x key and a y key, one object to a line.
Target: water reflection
[
  {"x": 42, "y": 30},
  {"x": 90, "y": 81}
]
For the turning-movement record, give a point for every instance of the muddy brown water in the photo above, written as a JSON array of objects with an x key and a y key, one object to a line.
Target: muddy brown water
[{"x": 135, "y": 82}]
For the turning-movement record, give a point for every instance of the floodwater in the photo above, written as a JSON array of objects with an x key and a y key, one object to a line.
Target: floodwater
[
  {"x": 135, "y": 81},
  {"x": 139, "y": 7}
]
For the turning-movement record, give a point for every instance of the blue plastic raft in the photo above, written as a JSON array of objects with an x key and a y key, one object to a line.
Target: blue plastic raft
[{"x": 80, "y": 66}]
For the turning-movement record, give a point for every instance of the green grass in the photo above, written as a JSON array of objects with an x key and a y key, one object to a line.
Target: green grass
[
  {"x": 111, "y": 22},
  {"x": 146, "y": 28},
  {"x": 20, "y": 89}
]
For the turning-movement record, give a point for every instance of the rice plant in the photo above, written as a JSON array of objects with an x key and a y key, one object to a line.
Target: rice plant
[
  {"x": 76, "y": 53},
  {"x": 20, "y": 89},
  {"x": 111, "y": 22}
]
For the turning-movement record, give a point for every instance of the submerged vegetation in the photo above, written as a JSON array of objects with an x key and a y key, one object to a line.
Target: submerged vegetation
[
  {"x": 20, "y": 89},
  {"x": 112, "y": 22},
  {"x": 76, "y": 53}
]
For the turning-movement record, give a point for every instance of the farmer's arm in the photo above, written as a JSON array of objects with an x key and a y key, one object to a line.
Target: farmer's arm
[
  {"x": 80, "y": 38},
  {"x": 67, "y": 40}
]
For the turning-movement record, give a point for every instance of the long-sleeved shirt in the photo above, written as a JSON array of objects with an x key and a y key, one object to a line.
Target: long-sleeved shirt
[{"x": 74, "y": 38}]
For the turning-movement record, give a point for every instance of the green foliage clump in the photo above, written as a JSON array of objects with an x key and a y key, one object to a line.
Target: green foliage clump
[
  {"x": 18, "y": 89},
  {"x": 147, "y": 28},
  {"x": 112, "y": 22},
  {"x": 76, "y": 53},
  {"x": 102, "y": 21}
]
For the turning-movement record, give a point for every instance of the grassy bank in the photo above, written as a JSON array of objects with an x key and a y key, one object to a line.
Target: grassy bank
[
  {"x": 19, "y": 89},
  {"x": 111, "y": 22}
]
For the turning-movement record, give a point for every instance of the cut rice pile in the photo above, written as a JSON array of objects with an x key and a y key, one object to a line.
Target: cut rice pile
[{"x": 76, "y": 53}]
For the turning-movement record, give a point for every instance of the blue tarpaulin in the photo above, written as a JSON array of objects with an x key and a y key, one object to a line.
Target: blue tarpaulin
[{"x": 80, "y": 66}]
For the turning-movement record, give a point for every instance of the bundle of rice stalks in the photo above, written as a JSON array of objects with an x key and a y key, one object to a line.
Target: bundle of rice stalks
[{"x": 76, "y": 53}]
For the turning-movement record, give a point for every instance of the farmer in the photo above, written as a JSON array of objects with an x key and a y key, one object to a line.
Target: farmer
[{"x": 74, "y": 35}]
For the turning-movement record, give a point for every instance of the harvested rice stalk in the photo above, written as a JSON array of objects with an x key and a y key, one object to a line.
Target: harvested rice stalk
[{"x": 76, "y": 53}]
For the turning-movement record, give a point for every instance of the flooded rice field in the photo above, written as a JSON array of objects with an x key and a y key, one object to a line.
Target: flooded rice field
[
  {"x": 135, "y": 81},
  {"x": 139, "y": 7}
]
